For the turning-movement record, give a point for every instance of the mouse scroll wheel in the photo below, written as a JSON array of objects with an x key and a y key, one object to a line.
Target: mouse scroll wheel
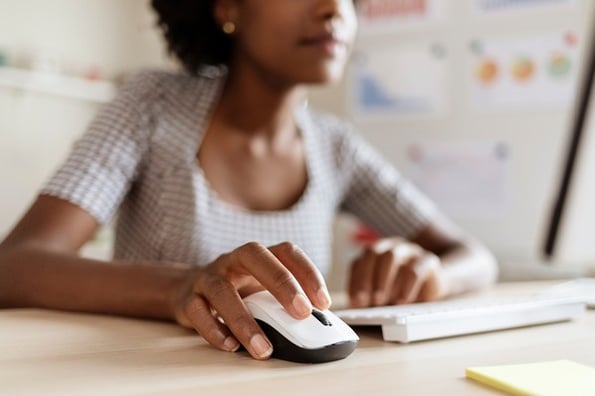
[{"x": 321, "y": 317}]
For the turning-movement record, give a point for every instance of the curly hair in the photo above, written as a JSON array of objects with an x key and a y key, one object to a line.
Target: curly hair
[{"x": 191, "y": 33}]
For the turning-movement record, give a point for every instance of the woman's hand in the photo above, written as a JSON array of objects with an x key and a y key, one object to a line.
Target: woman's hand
[
  {"x": 395, "y": 271},
  {"x": 210, "y": 300}
]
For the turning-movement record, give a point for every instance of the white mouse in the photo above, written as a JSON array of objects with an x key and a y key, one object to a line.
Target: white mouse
[{"x": 321, "y": 337}]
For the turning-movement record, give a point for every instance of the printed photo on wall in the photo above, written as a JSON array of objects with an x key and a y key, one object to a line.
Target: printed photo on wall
[
  {"x": 382, "y": 16},
  {"x": 496, "y": 7},
  {"x": 401, "y": 80},
  {"x": 523, "y": 72}
]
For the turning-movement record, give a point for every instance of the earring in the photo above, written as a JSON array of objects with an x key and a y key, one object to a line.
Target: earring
[{"x": 229, "y": 27}]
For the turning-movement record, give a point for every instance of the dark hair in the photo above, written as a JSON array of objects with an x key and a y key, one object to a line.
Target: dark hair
[{"x": 191, "y": 33}]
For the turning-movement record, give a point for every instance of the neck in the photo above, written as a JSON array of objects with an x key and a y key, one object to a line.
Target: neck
[{"x": 255, "y": 103}]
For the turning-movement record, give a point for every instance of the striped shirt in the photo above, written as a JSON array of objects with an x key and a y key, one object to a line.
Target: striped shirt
[{"x": 138, "y": 158}]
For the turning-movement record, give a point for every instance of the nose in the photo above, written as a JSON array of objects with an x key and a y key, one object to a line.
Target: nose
[
  {"x": 337, "y": 15},
  {"x": 330, "y": 9}
]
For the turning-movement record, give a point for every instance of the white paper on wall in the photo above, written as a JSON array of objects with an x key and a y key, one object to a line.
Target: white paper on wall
[
  {"x": 485, "y": 7},
  {"x": 465, "y": 179},
  {"x": 401, "y": 80},
  {"x": 523, "y": 73},
  {"x": 381, "y": 16}
]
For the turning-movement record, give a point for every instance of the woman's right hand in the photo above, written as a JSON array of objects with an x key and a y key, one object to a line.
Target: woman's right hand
[{"x": 210, "y": 299}]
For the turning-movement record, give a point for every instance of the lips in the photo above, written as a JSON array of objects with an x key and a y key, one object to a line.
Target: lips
[{"x": 328, "y": 44}]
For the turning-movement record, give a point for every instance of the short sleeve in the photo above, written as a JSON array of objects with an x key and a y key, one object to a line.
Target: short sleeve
[
  {"x": 377, "y": 193},
  {"x": 104, "y": 162}
]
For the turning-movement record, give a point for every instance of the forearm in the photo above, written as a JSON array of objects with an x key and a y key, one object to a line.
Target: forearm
[
  {"x": 38, "y": 278},
  {"x": 468, "y": 267}
]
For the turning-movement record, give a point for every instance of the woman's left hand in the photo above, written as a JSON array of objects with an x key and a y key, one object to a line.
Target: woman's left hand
[{"x": 396, "y": 271}]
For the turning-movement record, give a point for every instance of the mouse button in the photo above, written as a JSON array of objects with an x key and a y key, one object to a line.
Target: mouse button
[
  {"x": 314, "y": 334},
  {"x": 340, "y": 326},
  {"x": 321, "y": 317}
]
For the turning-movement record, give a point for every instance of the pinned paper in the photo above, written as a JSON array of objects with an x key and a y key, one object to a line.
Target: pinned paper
[
  {"x": 524, "y": 73},
  {"x": 376, "y": 16},
  {"x": 465, "y": 179},
  {"x": 401, "y": 80},
  {"x": 508, "y": 6}
]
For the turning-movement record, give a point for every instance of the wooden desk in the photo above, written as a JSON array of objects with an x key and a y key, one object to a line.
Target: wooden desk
[{"x": 56, "y": 353}]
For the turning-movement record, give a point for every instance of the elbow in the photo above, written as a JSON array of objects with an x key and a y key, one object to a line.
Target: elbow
[
  {"x": 14, "y": 276},
  {"x": 6, "y": 277},
  {"x": 5, "y": 259}
]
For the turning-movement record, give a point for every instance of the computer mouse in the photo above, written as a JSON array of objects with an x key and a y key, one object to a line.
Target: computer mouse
[{"x": 321, "y": 337}]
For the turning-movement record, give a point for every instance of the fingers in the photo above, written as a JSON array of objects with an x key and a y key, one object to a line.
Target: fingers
[
  {"x": 305, "y": 272},
  {"x": 201, "y": 318},
  {"x": 393, "y": 271},
  {"x": 225, "y": 300},
  {"x": 412, "y": 277},
  {"x": 373, "y": 274},
  {"x": 435, "y": 284},
  {"x": 273, "y": 275},
  {"x": 387, "y": 268},
  {"x": 360, "y": 282},
  {"x": 406, "y": 285},
  {"x": 283, "y": 269}
]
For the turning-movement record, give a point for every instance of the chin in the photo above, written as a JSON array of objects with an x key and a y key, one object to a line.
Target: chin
[{"x": 323, "y": 76}]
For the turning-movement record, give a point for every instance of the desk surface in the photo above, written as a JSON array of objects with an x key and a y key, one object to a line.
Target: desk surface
[{"x": 45, "y": 352}]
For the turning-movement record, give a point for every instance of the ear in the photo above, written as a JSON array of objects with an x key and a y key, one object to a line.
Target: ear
[{"x": 225, "y": 11}]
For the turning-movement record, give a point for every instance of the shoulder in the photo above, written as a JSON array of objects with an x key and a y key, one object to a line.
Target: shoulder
[
  {"x": 328, "y": 123},
  {"x": 332, "y": 128},
  {"x": 148, "y": 86},
  {"x": 339, "y": 134}
]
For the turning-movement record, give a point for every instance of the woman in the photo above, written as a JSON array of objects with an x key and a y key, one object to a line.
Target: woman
[{"x": 213, "y": 170}]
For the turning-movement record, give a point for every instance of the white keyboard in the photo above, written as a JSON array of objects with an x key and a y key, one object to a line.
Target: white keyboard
[
  {"x": 583, "y": 288},
  {"x": 414, "y": 322}
]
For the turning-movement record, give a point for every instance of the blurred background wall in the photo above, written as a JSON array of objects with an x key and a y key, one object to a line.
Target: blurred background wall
[
  {"x": 98, "y": 39},
  {"x": 448, "y": 124}
]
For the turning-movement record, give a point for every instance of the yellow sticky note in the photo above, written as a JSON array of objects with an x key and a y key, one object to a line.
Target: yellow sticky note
[{"x": 560, "y": 377}]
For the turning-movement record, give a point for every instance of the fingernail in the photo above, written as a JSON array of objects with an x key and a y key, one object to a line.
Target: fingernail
[
  {"x": 260, "y": 346},
  {"x": 302, "y": 305},
  {"x": 361, "y": 299},
  {"x": 324, "y": 297},
  {"x": 231, "y": 344},
  {"x": 378, "y": 298}
]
